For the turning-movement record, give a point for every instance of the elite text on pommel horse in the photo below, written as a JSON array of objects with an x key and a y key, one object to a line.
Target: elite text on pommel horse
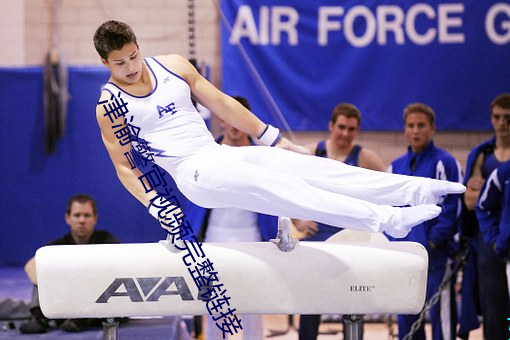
[{"x": 349, "y": 277}]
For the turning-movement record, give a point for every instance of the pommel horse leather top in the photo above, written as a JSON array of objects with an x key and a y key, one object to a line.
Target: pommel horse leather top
[{"x": 337, "y": 276}]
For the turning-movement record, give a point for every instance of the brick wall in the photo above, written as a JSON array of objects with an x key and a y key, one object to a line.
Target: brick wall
[{"x": 161, "y": 28}]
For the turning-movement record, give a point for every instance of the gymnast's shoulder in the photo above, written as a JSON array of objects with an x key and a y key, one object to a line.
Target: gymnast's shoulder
[{"x": 177, "y": 64}]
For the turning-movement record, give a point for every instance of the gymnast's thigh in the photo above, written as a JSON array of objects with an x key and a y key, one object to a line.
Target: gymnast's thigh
[
  {"x": 322, "y": 172},
  {"x": 279, "y": 160},
  {"x": 220, "y": 180}
]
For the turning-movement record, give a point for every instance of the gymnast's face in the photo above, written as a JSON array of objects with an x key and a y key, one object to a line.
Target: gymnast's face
[
  {"x": 82, "y": 221},
  {"x": 344, "y": 130},
  {"x": 419, "y": 131},
  {"x": 125, "y": 64}
]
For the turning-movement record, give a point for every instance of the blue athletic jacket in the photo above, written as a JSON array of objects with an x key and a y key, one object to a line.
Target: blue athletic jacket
[
  {"x": 469, "y": 223},
  {"x": 436, "y": 163},
  {"x": 493, "y": 210},
  {"x": 487, "y": 146}
]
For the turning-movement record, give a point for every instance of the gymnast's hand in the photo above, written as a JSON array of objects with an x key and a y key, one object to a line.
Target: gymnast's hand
[
  {"x": 286, "y": 144},
  {"x": 308, "y": 228},
  {"x": 171, "y": 219}
]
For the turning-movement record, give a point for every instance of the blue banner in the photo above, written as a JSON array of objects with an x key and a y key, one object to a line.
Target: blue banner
[{"x": 295, "y": 60}]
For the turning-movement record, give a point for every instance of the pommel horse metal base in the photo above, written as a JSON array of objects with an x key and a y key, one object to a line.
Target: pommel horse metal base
[{"x": 353, "y": 278}]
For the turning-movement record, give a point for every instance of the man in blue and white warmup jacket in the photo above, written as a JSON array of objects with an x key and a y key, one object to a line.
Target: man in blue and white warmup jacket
[
  {"x": 424, "y": 159},
  {"x": 493, "y": 211}
]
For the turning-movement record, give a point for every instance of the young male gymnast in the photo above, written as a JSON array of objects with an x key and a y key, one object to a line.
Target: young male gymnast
[{"x": 280, "y": 181}]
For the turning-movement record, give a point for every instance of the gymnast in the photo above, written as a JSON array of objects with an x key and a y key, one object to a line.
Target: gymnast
[{"x": 277, "y": 178}]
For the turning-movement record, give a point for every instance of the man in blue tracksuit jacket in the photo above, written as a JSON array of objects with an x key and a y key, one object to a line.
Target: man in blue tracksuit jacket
[
  {"x": 469, "y": 311},
  {"x": 493, "y": 211},
  {"x": 484, "y": 280},
  {"x": 424, "y": 159}
]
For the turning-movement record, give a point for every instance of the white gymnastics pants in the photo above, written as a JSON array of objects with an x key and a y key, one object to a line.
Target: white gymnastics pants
[{"x": 278, "y": 182}]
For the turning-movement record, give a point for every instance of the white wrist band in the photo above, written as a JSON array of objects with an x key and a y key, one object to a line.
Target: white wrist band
[
  {"x": 270, "y": 136},
  {"x": 153, "y": 210}
]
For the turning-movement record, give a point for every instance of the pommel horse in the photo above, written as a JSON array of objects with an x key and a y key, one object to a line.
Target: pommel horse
[{"x": 349, "y": 275}]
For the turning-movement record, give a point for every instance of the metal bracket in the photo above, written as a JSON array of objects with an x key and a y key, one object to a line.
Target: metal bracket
[
  {"x": 284, "y": 240},
  {"x": 110, "y": 329},
  {"x": 353, "y": 327},
  {"x": 170, "y": 245}
]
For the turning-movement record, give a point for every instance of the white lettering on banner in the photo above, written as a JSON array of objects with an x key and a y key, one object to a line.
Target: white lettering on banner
[
  {"x": 490, "y": 22},
  {"x": 446, "y": 21},
  {"x": 371, "y": 27},
  {"x": 325, "y": 25},
  {"x": 244, "y": 27},
  {"x": 274, "y": 21},
  {"x": 383, "y": 24},
  {"x": 414, "y": 36},
  {"x": 391, "y": 18},
  {"x": 284, "y": 19},
  {"x": 387, "y": 24}
]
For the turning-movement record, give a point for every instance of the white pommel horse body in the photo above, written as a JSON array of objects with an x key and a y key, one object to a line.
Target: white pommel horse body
[{"x": 353, "y": 277}]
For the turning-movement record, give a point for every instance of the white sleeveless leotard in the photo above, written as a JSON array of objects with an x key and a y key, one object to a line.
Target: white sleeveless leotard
[{"x": 166, "y": 117}]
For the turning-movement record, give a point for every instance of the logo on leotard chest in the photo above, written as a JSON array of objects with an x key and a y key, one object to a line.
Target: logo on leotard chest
[{"x": 168, "y": 109}]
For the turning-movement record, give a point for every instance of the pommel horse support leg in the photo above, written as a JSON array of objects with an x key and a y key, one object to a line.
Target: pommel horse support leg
[{"x": 353, "y": 277}]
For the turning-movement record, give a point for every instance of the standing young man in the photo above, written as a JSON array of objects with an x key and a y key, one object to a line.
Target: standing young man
[
  {"x": 344, "y": 127},
  {"x": 484, "y": 269},
  {"x": 424, "y": 159}
]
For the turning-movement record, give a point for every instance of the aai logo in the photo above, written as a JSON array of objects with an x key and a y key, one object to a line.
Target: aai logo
[{"x": 146, "y": 289}]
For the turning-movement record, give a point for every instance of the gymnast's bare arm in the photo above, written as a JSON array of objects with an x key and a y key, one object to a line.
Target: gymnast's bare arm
[
  {"x": 474, "y": 184},
  {"x": 368, "y": 159},
  {"x": 128, "y": 177},
  {"x": 224, "y": 106}
]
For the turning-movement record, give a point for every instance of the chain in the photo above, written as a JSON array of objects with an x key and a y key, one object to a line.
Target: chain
[
  {"x": 458, "y": 266},
  {"x": 191, "y": 30}
]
